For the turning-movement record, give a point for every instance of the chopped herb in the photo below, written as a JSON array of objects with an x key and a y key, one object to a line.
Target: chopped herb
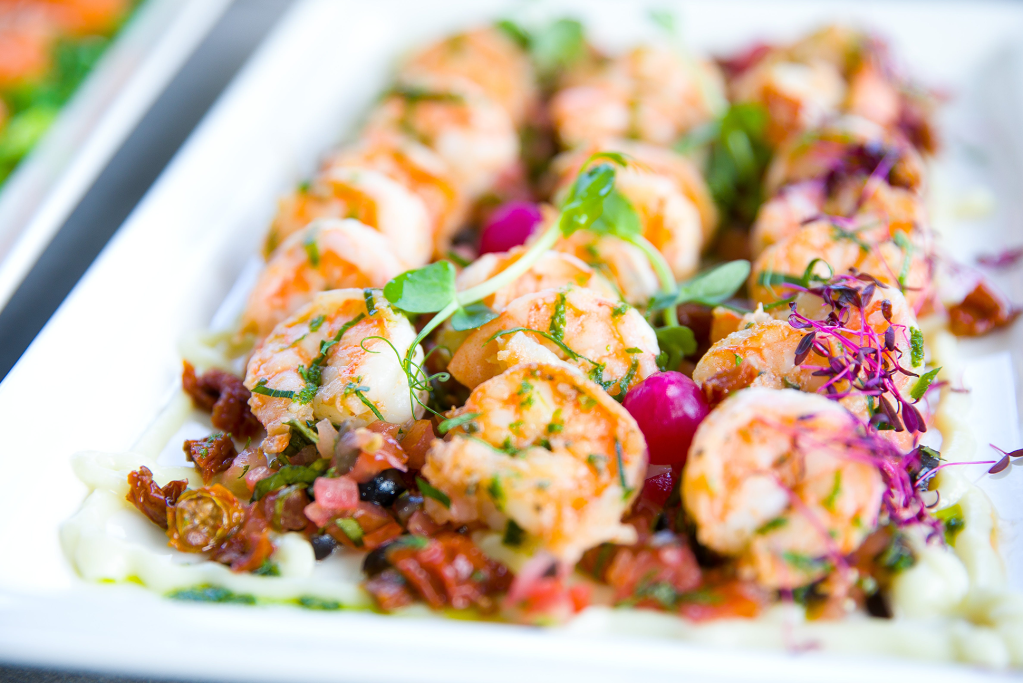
[
  {"x": 429, "y": 491},
  {"x": 312, "y": 602},
  {"x": 457, "y": 259},
  {"x": 633, "y": 349},
  {"x": 316, "y": 323},
  {"x": 597, "y": 461},
  {"x": 304, "y": 430},
  {"x": 897, "y": 556},
  {"x": 836, "y": 491},
  {"x": 953, "y": 521},
  {"x": 803, "y": 562},
  {"x": 916, "y": 343},
  {"x": 352, "y": 529},
  {"x": 496, "y": 492},
  {"x": 620, "y": 310},
  {"x": 268, "y": 568},
  {"x": 513, "y": 534},
  {"x": 288, "y": 475},
  {"x": 371, "y": 307},
  {"x": 208, "y": 593},
  {"x": 738, "y": 359},
  {"x": 312, "y": 250},
  {"x": 557, "y": 326},
  {"x": 776, "y": 523},
  {"x": 263, "y": 390}
]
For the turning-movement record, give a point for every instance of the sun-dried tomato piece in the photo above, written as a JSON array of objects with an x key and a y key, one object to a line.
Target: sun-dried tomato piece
[
  {"x": 417, "y": 442},
  {"x": 250, "y": 546},
  {"x": 718, "y": 386},
  {"x": 150, "y": 499},
  {"x": 982, "y": 311},
  {"x": 225, "y": 396},
  {"x": 446, "y": 571},
  {"x": 202, "y": 519},
  {"x": 212, "y": 455},
  {"x": 390, "y": 590}
]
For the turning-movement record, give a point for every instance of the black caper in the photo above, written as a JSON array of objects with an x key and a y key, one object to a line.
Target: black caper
[
  {"x": 877, "y": 606},
  {"x": 383, "y": 489},
  {"x": 376, "y": 561},
  {"x": 323, "y": 546},
  {"x": 407, "y": 504}
]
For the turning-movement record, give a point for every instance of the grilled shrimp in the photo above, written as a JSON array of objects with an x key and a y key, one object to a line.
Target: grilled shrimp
[
  {"x": 849, "y": 146},
  {"x": 553, "y": 270},
  {"x": 670, "y": 220},
  {"x": 605, "y": 338},
  {"x": 762, "y": 353},
  {"x": 785, "y": 481},
  {"x": 357, "y": 377},
  {"x": 894, "y": 261},
  {"x": 648, "y": 159},
  {"x": 327, "y": 254},
  {"x": 486, "y": 58},
  {"x": 879, "y": 203},
  {"x": 622, "y": 264},
  {"x": 547, "y": 449},
  {"x": 368, "y": 196},
  {"x": 651, "y": 93},
  {"x": 419, "y": 169},
  {"x": 473, "y": 134}
]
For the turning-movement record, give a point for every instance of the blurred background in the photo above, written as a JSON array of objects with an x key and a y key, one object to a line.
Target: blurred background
[{"x": 134, "y": 78}]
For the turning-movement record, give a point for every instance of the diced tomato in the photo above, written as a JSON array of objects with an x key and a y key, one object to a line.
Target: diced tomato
[
  {"x": 417, "y": 442},
  {"x": 336, "y": 493}
]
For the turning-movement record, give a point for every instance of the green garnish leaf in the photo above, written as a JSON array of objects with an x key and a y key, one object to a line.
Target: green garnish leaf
[
  {"x": 586, "y": 199},
  {"x": 472, "y": 316},
  {"x": 425, "y": 290},
  {"x": 447, "y": 425},
  {"x": 715, "y": 285},
  {"x": 923, "y": 384},
  {"x": 304, "y": 430},
  {"x": 557, "y": 45},
  {"x": 515, "y": 32},
  {"x": 676, "y": 342},
  {"x": 619, "y": 218},
  {"x": 429, "y": 491}
]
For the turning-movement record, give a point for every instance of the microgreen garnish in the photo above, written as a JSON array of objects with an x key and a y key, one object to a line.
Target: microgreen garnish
[
  {"x": 471, "y": 316},
  {"x": 288, "y": 475},
  {"x": 709, "y": 288},
  {"x": 436, "y": 494},
  {"x": 447, "y": 425},
  {"x": 304, "y": 430},
  {"x": 676, "y": 342},
  {"x": 923, "y": 384}
]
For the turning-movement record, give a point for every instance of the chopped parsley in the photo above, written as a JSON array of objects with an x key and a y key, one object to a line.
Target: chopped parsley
[{"x": 436, "y": 494}]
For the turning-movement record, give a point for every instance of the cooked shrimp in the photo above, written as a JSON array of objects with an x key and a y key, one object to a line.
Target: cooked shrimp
[
  {"x": 419, "y": 169},
  {"x": 358, "y": 377},
  {"x": 621, "y": 263},
  {"x": 473, "y": 134},
  {"x": 866, "y": 204},
  {"x": 651, "y": 93},
  {"x": 849, "y": 146},
  {"x": 486, "y": 58},
  {"x": 783, "y": 480},
  {"x": 605, "y": 338},
  {"x": 897, "y": 261},
  {"x": 549, "y": 450},
  {"x": 328, "y": 254},
  {"x": 553, "y": 270},
  {"x": 649, "y": 159},
  {"x": 762, "y": 353},
  {"x": 26, "y": 46},
  {"x": 368, "y": 196},
  {"x": 669, "y": 218}
]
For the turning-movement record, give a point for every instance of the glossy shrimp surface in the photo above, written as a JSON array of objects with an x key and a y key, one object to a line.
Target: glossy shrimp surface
[
  {"x": 327, "y": 254},
  {"x": 472, "y": 133},
  {"x": 898, "y": 261},
  {"x": 548, "y": 449},
  {"x": 553, "y": 270},
  {"x": 359, "y": 376},
  {"x": 622, "y": 264},
  {"x": 486, "y": 58},
  {"x": 605, "y": 338},
  {"x": 651, "y": 93},
  {"x": 417, "y": 168},
  {"x": 783, "y": 480},
  {"x": 370, "y": 197}
]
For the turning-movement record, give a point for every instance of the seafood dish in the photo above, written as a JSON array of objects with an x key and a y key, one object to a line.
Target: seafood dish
[{"x": 565, "y": 336}]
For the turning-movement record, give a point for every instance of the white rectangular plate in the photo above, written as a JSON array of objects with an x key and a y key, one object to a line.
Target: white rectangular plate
[{"x": 107, "y": 362}]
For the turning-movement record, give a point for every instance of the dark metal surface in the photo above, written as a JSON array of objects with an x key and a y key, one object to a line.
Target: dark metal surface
[{"x": 131, "y": 172}]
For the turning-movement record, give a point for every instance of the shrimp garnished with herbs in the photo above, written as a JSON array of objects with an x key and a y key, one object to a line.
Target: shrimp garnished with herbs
[
  {"x": 543, "y": 448},
  {"x": 328, "y": 254},
  {"x": 784, "y": 481},
  {"x": 605, "y": 338},
  {"x": 337, "y": 358}
]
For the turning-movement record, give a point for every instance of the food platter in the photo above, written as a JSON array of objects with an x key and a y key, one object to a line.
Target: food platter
[{"x": 170, "y": 267}]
